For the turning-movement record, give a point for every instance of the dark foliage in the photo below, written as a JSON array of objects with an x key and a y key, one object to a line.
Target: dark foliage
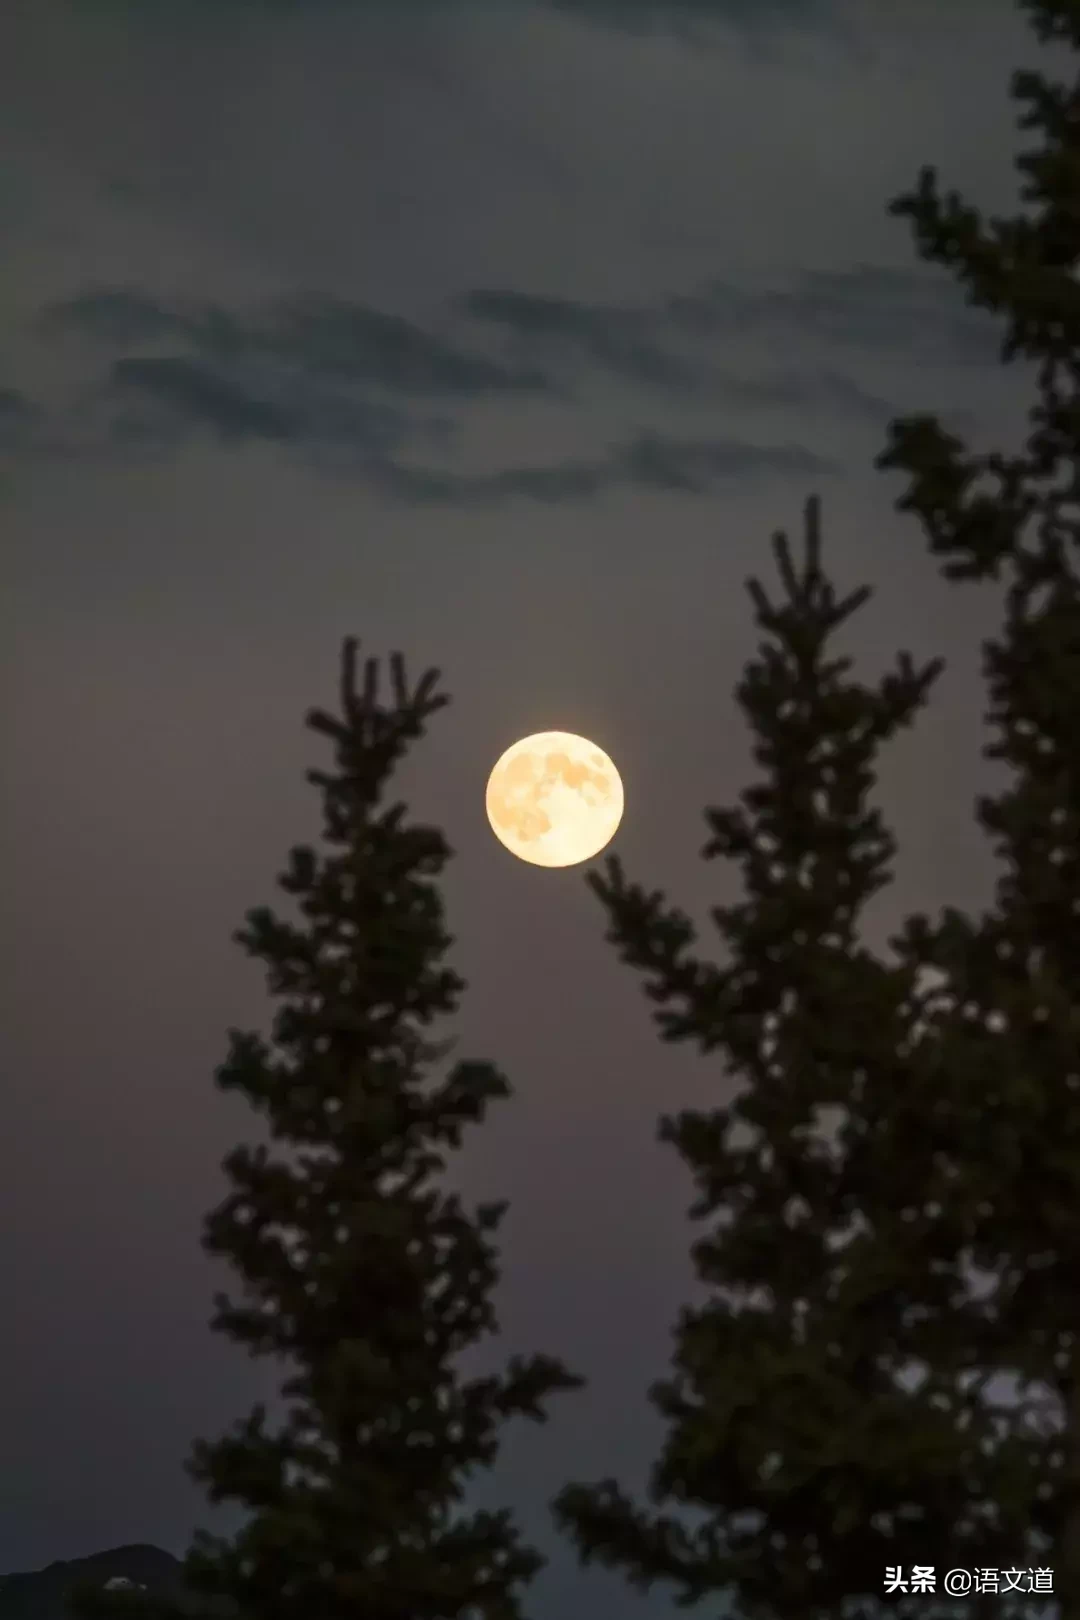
[
  {"x": 886, "y": 1368},
  {"x": 359, "y": 1273}
]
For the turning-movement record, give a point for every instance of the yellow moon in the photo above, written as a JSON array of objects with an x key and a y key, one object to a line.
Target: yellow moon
[{"x": 554, "y": 799}]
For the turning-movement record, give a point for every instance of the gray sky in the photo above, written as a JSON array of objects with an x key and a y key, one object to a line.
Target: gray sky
[{"x": 504, "y": 335}]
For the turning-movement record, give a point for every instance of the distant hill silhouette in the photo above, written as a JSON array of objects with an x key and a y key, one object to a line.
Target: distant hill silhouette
[{"x": 42, "y": 1594}]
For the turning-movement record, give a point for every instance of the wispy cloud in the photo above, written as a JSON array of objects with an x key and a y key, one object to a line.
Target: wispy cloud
[
  {"x": 345, "y": 384},
  {"x": 834, "y": 325},
  {"x": 166, "y": 395},
  {"x": 19, "y": 417},
  {"x": 115, "y": 315},
  {"x": 865, "y": 307},
  {"x": 647, "y": 462},
  {"x": 317, "y": 376},
  {"x": 692, "y": 18},
  {"x": 813, "y": 387},
  {"x": 616, "y": 338},
  {"x": 626, "y": 15},
  {"x": 319, "y": 336}
]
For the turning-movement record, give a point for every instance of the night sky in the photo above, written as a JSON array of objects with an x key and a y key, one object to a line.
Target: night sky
[{"x": 506, "y": 336}]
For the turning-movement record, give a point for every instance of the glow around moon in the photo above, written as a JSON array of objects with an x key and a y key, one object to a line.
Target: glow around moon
[{"x": 554, "y": 799}]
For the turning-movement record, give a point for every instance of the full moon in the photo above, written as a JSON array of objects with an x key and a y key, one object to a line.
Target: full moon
[{"x": 554, "y": 799}]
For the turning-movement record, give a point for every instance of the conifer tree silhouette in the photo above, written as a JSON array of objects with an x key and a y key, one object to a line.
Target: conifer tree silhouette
[
  {"x": 359, "y": 1273},
  {"x": 886, "y": 1370}
]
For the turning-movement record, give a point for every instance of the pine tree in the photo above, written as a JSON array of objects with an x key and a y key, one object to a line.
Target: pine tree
[
  {"x": 359, "y": 1272},
  {"x": 788, "y": 1436},
  {"x": 886, "y": 1369},
  {"x": 1015, "y": 970}
]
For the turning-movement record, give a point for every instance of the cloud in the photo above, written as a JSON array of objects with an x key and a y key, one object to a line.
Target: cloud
[
  {"x": 19, "y": 417},
  {"x": 196, "y": 393},
  {"x": 628, "y": 16},
  {"x": 612, "y": 337},
  {"x": 693, "y": 466},
  {"x": 158, "y": 402},
  {"x": 647, "y": 462},
  {"x": 311, "y": 373},
  {"x": 351, "y": 341},
  {"x": 864, "y": 306},
  {"x": 112, "y": 315},
  {"x": 812, "y": 387},
  {"x": 339, "y": 382},
  {"x": 188, "y": 394},
  {"x": 674, "y": 345},
  {"x": 691, "y": 18},
  {"x": 324, "y": 337},
  {"x": 27, "y": 429},
  {"x": 309, "y": 369}
]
